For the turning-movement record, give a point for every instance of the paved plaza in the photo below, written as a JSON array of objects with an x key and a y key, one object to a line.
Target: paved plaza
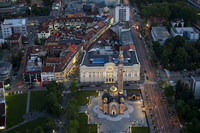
[{"x": 133, "y": 116}]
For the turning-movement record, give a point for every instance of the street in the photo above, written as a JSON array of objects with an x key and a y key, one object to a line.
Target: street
[{"x": 155, "y": 103}]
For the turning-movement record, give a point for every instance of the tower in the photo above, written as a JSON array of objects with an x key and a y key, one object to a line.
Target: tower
[{"x": 120, "y": 72}]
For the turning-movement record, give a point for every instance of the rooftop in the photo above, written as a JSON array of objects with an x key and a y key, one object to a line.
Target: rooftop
[
  {"x": 16, "y": 22},
  {"x": 98, "y": 57},
  {"x": 161, "y": 32},
  {"x": 126, "y": 37},
  {"x": 182, "y": 29}
]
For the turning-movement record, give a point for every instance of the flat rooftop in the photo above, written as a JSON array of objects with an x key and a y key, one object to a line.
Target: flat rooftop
[
  {"x": 181, "y": 29},
  {"x": 16, "y": 22},
  {"x": 161, "y": 32},
  {"x": 93, "y": 58},
  {"x": 126, "y": 37}
]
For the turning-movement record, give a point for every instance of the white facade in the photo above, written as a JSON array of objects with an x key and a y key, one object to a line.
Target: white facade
[
  {"x": 195, "y": 86},
  {"x": 10, "y": 26},
  {"x": 108, "y": 73},
  {"x": 47, "y": 76},
  {"x": 43, "y": 34},
  {"x": 160, "y": 34},
  {"x": 187, "y": 32},
  {"x": 122, "y": 12}
]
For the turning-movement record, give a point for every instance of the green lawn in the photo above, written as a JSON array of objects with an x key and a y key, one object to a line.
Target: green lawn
[
  {"x": 29, "y": 126},
  {"x": 84, "y": 127},
  {"x": 82, "y": 97},
  {"x": 37, "y": 100},
  {"x": 136, "y": 90},
  {"x": 15, "y": 108},
  {"x": 140, "y": 129}
]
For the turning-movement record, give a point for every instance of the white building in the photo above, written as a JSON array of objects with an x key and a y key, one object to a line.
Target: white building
[
  {"x": 122, "y": 12},
  {"x": 189, "y": 33},
  {"x": 47, "y": 73},
  {"x": 160, "y": 34},
  {"x": 10, "y": 26},
  {"x": 195, "y": 86},
  {"x": 101, "y": 65},
  {"x": 43, "y": 34}
]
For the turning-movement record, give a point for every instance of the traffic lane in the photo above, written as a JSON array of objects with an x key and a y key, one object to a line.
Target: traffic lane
[{"x": 160, "y": 113}]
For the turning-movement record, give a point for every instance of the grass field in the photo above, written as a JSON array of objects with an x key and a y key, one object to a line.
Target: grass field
[
  {"x": 37, "y": 100},
  {"x": 29, "y": 126},
  {"x": 136, "y": 90},
  {"x": 15, "y": 108},
  {"x": 140, "y": 129},
  {"x": 84, "y": 127},
  {"x": 82, "y": 97}
]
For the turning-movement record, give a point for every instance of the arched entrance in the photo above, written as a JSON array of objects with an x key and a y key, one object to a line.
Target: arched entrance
[{"x": 113, "y": 112}]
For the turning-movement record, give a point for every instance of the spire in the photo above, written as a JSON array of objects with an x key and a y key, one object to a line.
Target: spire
[{"x": 120, "y": 72}]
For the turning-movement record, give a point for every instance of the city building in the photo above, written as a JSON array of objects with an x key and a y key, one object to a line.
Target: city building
[
  {"x": 45, "y": 28},
  {"x": 189, "y": 33},
  {"x": 11, "y": 26},
  {"x": 122, "y": 13},
  {"x": 195, "y": 86},
  {"x": 5, "y": 72},
  {"x": 100, "y": 65},
  {"x": 42, "y": 69},
  {"x": 105, "y": 2},
  {"x": 113, "y": 102},
  {"x": 177, "y": 22},
  {"x": 47, "y": 74},
  {"x": 15, "y": 41},
  {"x": 2, "y": 107},
  {"x": 160, "y": 34},
  {"x": 96, "y": 31}
]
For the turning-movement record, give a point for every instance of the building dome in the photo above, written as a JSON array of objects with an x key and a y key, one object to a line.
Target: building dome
[
  {"x": 105, "y": 90},
  {"x": 113, "y": 89},
  {"x": 121, "y": 92},
  {"x": 121, "y": 99},
  {"x": 121, "y": 55}
]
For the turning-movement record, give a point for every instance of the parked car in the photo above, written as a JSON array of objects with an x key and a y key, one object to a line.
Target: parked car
[{"x": 31, "y": 87}]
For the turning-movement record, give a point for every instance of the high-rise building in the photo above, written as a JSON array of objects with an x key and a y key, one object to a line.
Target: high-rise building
[
  {"x": 122, "y": 13},
  {"x": 10, "y": 26}
]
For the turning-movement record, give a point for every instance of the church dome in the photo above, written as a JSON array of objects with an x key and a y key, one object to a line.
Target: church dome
[
  {"x": 121, "y": 55},
  {"x": 113, "y": 89},
  {"x": 121, "y": 92}
]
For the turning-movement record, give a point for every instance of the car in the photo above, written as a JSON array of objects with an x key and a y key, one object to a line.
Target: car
[{"x": 31, "y": 87}]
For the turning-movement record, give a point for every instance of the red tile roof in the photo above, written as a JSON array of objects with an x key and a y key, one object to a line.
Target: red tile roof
[
  {"x": 47, "y": 68},
  {"x": 98, "y": 26},
  {"x": 53, "y": 60},
  {"x": 127, "y": 47},
  {"x": 89, "y": 35},
  {"x": 15, "y": 36}
]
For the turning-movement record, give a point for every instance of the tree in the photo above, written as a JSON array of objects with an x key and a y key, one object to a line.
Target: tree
[
  {"x": 50, "y": 99},
  {"x": 70, "y": 130},
  {"x": 72, "y": 100},
  {"x": 28, "y": 2},
  {"x": 38, "y": 129},
  {"x": 49, "y": 125},
  {"x": 36, "y": 42},
  {"x": 169, "y": 91},
  {"x": 71, "y": 111},
  {"x": 74, "y": 123},
  {"x": 74, "y": 88},
  {"x": 178, "y": 86},
  {"x": 56, "y": 109}
]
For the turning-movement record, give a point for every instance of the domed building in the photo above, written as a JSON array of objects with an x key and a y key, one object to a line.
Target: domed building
[{"x": 113, "y": 100}]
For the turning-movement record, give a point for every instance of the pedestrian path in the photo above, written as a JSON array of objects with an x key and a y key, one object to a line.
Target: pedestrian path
[{"x": 28, "y": 101}]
